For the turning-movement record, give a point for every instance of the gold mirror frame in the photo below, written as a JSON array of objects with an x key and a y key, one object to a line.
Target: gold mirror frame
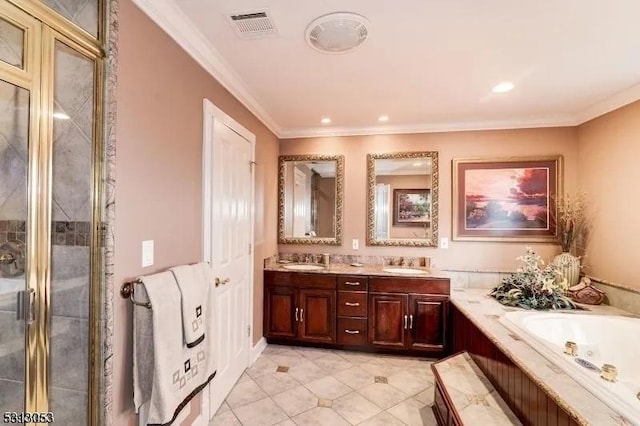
[
  {"x": 337, "y": 239},
  {"x": 371, "y": 202}
]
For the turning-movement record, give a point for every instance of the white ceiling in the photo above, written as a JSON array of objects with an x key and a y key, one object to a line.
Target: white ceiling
[{"x": 429, "y": 65}]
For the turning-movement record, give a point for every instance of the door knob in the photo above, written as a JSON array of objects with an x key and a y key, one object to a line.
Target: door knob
[{"x": 221, "y": 282}]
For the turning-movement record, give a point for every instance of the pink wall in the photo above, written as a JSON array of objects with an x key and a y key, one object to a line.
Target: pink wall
[
  {"x": 608, "y": 152},
  {"x": 486, "y": 144},
  {"x": 158, "y": 172}
]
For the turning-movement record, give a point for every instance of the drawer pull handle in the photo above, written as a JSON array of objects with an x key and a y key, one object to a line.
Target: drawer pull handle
[
  {"x": 352, "y": 331},
  {"x": 351, "y": 304},
  {"x": 405, "y": 322},
  {"x": 297, "y": 314},
  {"x": 352, "y": 283},
  {"x": 411, "y": 322},
  {"x": 301, "y": 315}
]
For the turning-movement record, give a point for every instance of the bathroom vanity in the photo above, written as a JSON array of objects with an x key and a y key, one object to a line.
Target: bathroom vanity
[{"x": 357, "y": 308}]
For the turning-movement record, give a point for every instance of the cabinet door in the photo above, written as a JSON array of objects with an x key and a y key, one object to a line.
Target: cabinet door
[
  {"x": 317, "y": 322},
  {"x": 279, "y": 312},
  {"x": 387, "y": 319},
  {"x": 427, "y": 322}
]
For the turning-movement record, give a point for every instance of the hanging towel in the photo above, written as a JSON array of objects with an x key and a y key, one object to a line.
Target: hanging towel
[
  {"x": 176, "y": 373},
  {"x": 193, "y": 282}
]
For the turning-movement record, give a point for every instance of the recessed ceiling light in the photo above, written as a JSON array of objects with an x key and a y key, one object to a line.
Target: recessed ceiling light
[
  {"x": 60, "y": 116},
  {"x": 417, "y": 164},
  {"x": 325, "y": 120},
  {"x": 503, "y": 87},
  {"x": 383, "y": 118}
]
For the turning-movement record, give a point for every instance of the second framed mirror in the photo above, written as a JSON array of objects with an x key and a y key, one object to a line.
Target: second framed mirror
[
  {"x": 310, "y": 199},
  {"x": 402, "y": 199}
]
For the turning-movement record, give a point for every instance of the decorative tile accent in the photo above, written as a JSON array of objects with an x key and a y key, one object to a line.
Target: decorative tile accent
[
  {"x": 282, "y": 369},
  {"x": 325, "y": 403},
  {"x": 62, "y": 233},
  {"x": 71, "y": 233},
  {"x": 380, "y": 379}
]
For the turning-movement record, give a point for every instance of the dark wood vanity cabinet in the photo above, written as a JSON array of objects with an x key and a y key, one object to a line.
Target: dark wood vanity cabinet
[
  {"x": 300, "y": 307},
  {"x": 408, "y": 313},
  {"x": 394, "y": 313}
]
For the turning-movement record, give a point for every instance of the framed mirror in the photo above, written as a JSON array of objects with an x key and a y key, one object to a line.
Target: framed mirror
[
  {"x": 310, "y": 191},
  {"x": 402, "y": 199}
]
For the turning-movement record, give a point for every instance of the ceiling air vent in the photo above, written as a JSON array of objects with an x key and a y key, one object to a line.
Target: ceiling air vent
[
  {"x": 251, "y": 25},
  {"x": 339, "y": 32}
]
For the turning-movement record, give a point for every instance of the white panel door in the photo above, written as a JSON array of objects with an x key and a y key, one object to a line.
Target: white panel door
[{"x": 228, "y": 224}]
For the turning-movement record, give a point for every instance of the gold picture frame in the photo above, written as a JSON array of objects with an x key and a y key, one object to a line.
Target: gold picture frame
[{"x": 506, "y": 199}]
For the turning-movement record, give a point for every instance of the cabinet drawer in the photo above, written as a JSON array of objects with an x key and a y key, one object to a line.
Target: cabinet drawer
[
  {"x": 300, "y": 280},
  {"x": 352, "y": 283},
  {"x": 409, "y": 285},
  {"x": 352, "y": 304},
  {"x": 352, "y": 331}
]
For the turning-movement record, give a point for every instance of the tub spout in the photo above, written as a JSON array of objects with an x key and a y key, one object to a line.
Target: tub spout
[
  {"x": 609, "y": 373},
  {"x": 571, "y": 348}
]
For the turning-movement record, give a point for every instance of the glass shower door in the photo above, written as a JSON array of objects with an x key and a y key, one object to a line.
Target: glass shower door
[{"x": 16, "y": 31}]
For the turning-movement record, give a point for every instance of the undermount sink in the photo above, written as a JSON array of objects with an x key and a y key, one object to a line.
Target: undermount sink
[
  {"x": 404, "y": 271},
  {"x": 303, "y": 267}
]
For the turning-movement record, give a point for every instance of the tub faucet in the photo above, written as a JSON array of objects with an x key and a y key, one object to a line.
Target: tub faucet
[
  {"x": 571, "y": 348},
  {"x": 609, "y": 373}
]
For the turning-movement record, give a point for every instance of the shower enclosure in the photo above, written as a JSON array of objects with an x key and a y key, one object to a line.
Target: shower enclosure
[{"x": 50, "y": 207}]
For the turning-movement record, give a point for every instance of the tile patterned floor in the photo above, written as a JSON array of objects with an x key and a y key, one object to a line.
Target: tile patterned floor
[{"x": 290, "y": 385}]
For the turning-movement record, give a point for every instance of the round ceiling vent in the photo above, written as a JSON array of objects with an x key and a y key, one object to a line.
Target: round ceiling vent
[{"x": 339, "y": 32}]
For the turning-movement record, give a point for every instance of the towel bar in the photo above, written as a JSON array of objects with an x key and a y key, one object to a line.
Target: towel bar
[{"x": 127, "y": 291}]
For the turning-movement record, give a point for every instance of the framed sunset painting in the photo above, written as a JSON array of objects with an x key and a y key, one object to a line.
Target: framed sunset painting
[{"x": 506, "y": 199}]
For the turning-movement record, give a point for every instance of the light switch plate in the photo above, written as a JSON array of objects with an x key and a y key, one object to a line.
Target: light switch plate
[
  {"x": 147, "y": 253},
  {"x": 355, "y": 244},
  {"x": 444, "y": 243}
]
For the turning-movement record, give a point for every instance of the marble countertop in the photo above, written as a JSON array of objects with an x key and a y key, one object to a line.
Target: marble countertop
[
  {"x": 346, "y": 269},
  {"x": 485, "y": 313}
]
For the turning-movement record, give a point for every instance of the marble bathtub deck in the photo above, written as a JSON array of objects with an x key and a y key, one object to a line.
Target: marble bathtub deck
[
  {"x": 485, "y": 313},
  {"x": 291, "y": 385}
]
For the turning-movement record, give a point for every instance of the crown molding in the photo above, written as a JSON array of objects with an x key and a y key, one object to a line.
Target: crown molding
[
  {"x": 609, "y": 104},
  {"x": 316, "y": 132},
  {"x": 177, "y": 25}
]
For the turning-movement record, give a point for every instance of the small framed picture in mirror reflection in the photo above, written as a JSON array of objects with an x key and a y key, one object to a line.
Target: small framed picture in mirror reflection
[{"x": 411, "y": 207}]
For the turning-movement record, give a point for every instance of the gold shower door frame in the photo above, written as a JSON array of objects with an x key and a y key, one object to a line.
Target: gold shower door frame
[{"x": 42, "y": 28}]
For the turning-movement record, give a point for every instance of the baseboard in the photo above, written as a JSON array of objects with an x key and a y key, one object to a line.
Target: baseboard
[{"x": 257, "y": 350}]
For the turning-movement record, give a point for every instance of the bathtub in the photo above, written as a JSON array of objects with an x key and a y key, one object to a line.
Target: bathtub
[{"x": 601, "y": 339}]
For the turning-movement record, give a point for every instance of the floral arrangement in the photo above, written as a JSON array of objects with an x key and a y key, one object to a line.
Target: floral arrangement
[
  {"x": 571, "y": 220},
  {"x": 534, "y": 285}
]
